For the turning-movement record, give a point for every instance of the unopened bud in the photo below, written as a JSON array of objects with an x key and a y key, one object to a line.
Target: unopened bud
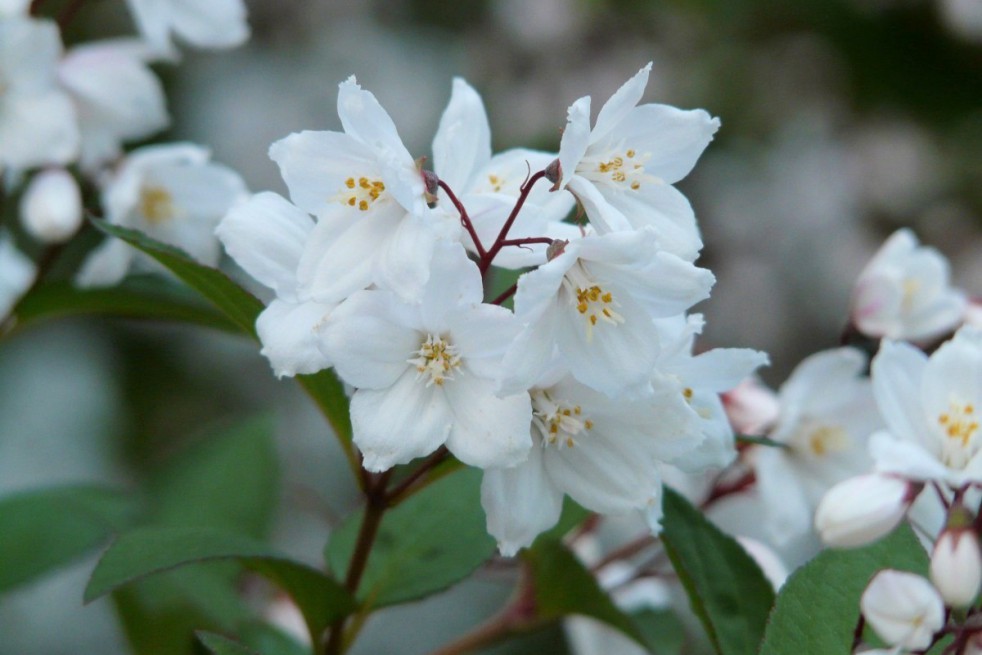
[
  {"x": 903, "y": 609},
  {"x": 956, "y": 563},
  {"x": 432, "y": 187},
  {"x": 860, "y": 510},
  {"x": 51, "y": 208},
  {"x": 554, "y": 173}
]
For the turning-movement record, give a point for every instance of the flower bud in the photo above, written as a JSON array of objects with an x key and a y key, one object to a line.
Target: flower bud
[
  {"x": 903, "y": 609},
  {"x": 51, "y": 208},
  {"x": 956, "y": 562},
  {"x": 860, "y": 510}
]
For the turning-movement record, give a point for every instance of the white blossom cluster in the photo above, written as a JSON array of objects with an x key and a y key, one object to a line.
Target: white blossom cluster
[
  {"x": 380, "y": 269},
  {"x": 65, "y": 116}
]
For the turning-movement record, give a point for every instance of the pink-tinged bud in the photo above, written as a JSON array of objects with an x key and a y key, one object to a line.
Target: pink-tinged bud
[
  {"x": 51, "y": 208},
  {"x": 860, "y": 510},
  {"x": 903, "y": 609},
  {"x": 956, "y": 566}
]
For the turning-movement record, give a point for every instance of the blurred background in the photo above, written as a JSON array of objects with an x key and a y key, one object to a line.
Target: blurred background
[{"x": 841, "y": 121}]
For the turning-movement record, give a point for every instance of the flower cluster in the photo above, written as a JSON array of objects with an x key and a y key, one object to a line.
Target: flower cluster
[
  {"x": 79, "y": 107},
  {"x": 381, "y": 269}
]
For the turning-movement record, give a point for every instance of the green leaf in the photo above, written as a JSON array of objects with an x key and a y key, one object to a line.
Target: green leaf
[
  {"x": 240, "y": 306},
  {"x": 228, "y": 480},
  {"x": 144, "y": 297},
  {"x": 242, "y": 309},
  {"x": 435, "y": 538},
  {"x": 564, "y": 586},
  {"x": 270, "y": 640},
  {"x": 219, "y": 645},
  {"x": 725, "y": 586},
  {"x": 818, "y": 607},
  {"x": 47, "y": 528},
  {"x": 144, "y": 552}
]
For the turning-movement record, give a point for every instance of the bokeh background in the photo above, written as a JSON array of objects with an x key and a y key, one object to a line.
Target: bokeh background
[{"x": 841, "y": 121}]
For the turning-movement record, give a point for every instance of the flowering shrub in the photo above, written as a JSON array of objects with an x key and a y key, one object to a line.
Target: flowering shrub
[{"x": 505, "y": 348}]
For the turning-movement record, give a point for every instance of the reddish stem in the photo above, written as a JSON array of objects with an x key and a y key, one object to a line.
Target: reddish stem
[
  {"x": 506, "y": 294},
  {"x": 465, "y": 220},
  {"x": 396, "y": 493},
  {"x": 526, "y": 241},
  {"x": 499, "y": 243},
  {"x": 722, "y": 490}
]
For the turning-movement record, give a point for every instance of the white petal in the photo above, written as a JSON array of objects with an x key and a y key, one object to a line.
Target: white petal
[
  {"x": 530, "y": 355},
  {"x": 897, "y": 372},
  {"x": 664, "y": 208},
  {"x": 620, "y": 105},
  {"x": 603, "y": 215},
  {"x": 721, "y": 369},
  {"x": 37, "y": 130},
  {"x": 395, "y": 425},
  {"x": 212, "y": 24},
  {"x": 287, "y": 331},
  {"x": 367, "y": 341},
  {"x": 462, "y": 145},
  {"x": 106, "y": 265},
  {"x": 520, "y": 503},
  {"x": 788, "y": 512},
  {"x": 266, "y": 237},
  {"x": 487, "y": 430},
  {"x": 953, "y": 374},
  {"x": 575, "y": 140},
  {"x": 905, "y": 458}
]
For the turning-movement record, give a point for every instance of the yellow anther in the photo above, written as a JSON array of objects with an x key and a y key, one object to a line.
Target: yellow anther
[{"x": 156, "y": 204}]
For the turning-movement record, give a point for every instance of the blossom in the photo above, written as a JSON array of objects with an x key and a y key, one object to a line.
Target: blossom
[
  {"x": 212, "y": 24},
  {"x": 373, "y": 225},
  {"x": 827, "y": 413},
  {"x": 904, "y": 292},
  {"x": 37, "y": 121},
  {"x": 956, "y": 566},
  {"x": 116, "y": 96},
  {"x": 930, "y": 406},
  {"x": 622, "y": 170},
  {"x": 170, "y": 192},
  {"x": 424, "y": 373},
  {"x": 602, "y": 452},
  {"x": 17, "y": 273},
  {"x": 488, "y": 187},
  {"x": 903, "y": 608},
  {"x": 51, "y": 207},
  {"x": 267, "y": 237},
  {"x": 860, "y": 510},
  {"x": 593, "y": 303}
]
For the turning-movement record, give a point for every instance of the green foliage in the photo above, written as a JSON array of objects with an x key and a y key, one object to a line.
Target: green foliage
[
  {"x": 818, "y": 607},
  {"x": 219, "y": 645},
  {"x": 143, "y": 552},
  {"x": 661, "y": 629},
  {"x": 564, "y": 586},
  {"x": 725, "y": 586},
  {"x": 43, "y": 529},
  {"x": 435, "y": 538}
]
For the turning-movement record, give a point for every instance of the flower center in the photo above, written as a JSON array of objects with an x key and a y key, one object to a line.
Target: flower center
[
  {"x": 593, "y": 302},
  {"x": 156, "y": 204},
  {"x": 960, "y": 425},
  {"x": 618, "y": 167},
  {"x": 361, "y": 193},
  {"x": 436, "y": 360},
  {"x": 820, "y": 439},
  {"x": 558, "y": 422},
  {"x": 496, "y": 183}
]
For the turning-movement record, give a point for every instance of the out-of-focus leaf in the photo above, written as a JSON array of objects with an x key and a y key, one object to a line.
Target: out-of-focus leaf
[
  {"x": 144, "y": 297},
  {"x": 270, "y": 640},
  {"x": 662, "y": 630},
  {"x": 726, "y": 588},
  {"x": 229, "y": 480},
  {"x": 144, "y": 552},
  {"x": 564, "y": 586},
  {"x": 242, "y": 309},
  {"x": 47, "y": 528},
  {"x": 818, "y": 607},
  {"x": 435, "y": 538},
  {"x": 219, "y": 645}
]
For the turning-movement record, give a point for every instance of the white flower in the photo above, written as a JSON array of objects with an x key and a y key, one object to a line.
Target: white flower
[
  {"x": 211, "y": 24},
  {"x": 931, "y": 408},
  {"x": 14, "y": 8},
  {"x": 860, "y": 510},
  {"x": 751, "y": 407},
  {"x": 622, "y": 171},
  {"x": 51, "y": 207},
  {"x": 904, "y": 292},
  {"x": 700, "y": 379},
  {"x": 903, "y": 608},
  {"x": 602, "y": 452},
  {"x": 488, "y": 187},
  {"x": 364, "y": 188},
  {"x": 424, "y": 373},
  {"x": 170, "y": 192},
  {"x": 37, "y": 121},
  {"x": 594, "y": 303},
  {"x": 770, "y": 562},
  {"x": 267, "y": 236},
  {"x": 117, "y": 97},
  {"x": 17, "y": 273},
  {"x": 827, "y": 413},
  {"x": 956, "y": 566}
]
